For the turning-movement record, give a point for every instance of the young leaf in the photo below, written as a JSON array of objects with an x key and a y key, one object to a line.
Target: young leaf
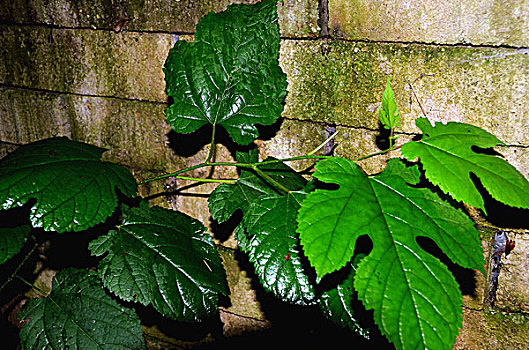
[
  {"x": 446, "y": 154},
  {"x": 226, "y": 199},
  {"x": 78, "y": 314},
  {"x": 164, "y": 258},
  {"x": 389, "y": 114},
  {"x": 73, "y": 188},
  {"x": 273, "y": 247},
  {"x": 11, "y": 240},
  {"x": 416, "y": 301},
  {"x": 230, "y": 75}
]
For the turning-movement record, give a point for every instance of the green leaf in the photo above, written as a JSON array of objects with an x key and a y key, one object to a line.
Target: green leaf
[
  {"x": 389, "y": 114},
  {"x": 77, "y": 314},
  {"x": 164, "y": 258},
  {"x": 446, "y": 154},
  {"x": 416, "y": 301},
  {"x": 230, "y": 75},
  {"x": 73, "y": 188},
  {"x": 337, "y": 303},
  {"x": 274, "y": 247},
  {"x": 11, "y": 240},
  {"x": 227, "y": 198}
]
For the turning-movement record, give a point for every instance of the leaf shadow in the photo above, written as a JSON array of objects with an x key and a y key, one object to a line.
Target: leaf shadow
[
  {"x": 382, "y": 138},
  {"x": 466, "y": 278},
  {"x": 301, "y": 326},
  {"x": 498, "y": 213},
  {"x": 187, "y": 145}
]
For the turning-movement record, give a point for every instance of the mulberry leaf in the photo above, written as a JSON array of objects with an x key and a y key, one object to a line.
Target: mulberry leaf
[
  {"x": 229, "y": 75},
  {"x": 416, "y": 300},
  {"x": 447, "y": 154}
]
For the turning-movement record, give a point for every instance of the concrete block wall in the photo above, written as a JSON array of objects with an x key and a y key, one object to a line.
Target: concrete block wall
[{"x": 92, "y": 70}]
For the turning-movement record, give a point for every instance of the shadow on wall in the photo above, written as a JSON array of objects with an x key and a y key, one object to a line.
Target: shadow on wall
[{"x": 187, "y": 145}]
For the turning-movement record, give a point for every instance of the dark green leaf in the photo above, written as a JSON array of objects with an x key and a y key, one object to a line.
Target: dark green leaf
[
  {"x": 337, "y": 304},
  {"x": 11, "y": 240},
  {"x": 77, "y": 314},
  {"x": 446, "y": 154},
  {"x": 230, "y": 75},
  {"x": 74, "y": 189},
  {"x": 274, "y": 247},
  {"x": 226, "y": 199},
  {"x": 164, "y": 258},
  {"x": 416, "y": 301}
]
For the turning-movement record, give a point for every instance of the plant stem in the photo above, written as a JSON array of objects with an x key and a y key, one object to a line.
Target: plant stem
[
  {"x": 270, "y": 179},
  {"x": 392, "y": 148},
  {"x": 34, "y": 287},
  {"x": 255, "y": 166},
  {"x": 199, "y": 179},
  {"x": 21, "y": 264},
  {"x": 212, "y": 145},
  {"x": 323, "y": 144}
]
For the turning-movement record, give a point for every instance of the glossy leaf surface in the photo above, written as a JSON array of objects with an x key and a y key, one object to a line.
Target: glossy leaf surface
[
  {"x": 447, "y": 155},
  {"x": 73, "y": 188},
  {"x": 78, "y": 314},
  {"x": 337, "y": 304},
  {"x": 416, "y": 301},
  {"x": 228, "y": 198},
  {"x": 11, "y": 240},
  {"x": 274, "y": 247},
  {"x": 229, "y": 75},
  {"x": 164, "y": 258}
]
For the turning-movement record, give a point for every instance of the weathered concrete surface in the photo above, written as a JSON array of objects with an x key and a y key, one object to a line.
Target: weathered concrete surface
[
  {"x": 486, "y": 22},
  {"x": 355, "y": 143},
  {"x": 513, "y": 281},
  {"x": 297, "y": 18},
  {"x": 341, "y": 83},
  {"x": 333, "y": 82},
  {"x": 134, "y": 132},
  {"x": 294, "y": 138},
  {"x": 483, "y": 329},
  {"x": 86, "y": 62}
]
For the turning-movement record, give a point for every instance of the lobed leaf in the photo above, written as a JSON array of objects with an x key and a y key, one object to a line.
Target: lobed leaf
[
  {"x": 448, "y": 158},
  {"x": 229, "y": 75},
  {"x": 416, "y": 301},
  {"x": 73, "y": 188},
  {"x": 77, "y": 314},
  {"x": 164, "y": 258}
]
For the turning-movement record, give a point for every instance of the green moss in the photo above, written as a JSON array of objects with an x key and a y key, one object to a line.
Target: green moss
[{"x": 341, "y": 83}]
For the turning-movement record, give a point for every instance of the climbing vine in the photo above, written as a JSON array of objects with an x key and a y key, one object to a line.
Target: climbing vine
[{"x": 295, "y": 229}]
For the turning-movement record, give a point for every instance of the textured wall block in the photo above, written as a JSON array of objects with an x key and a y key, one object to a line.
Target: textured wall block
[
  {"x": 513, "y": 281},
  {"x": 86, "y": 62},
  {"x": 341, "y": 83},
  {"x": 485, "y": 22},
  {"x": 296, "y": 17}
]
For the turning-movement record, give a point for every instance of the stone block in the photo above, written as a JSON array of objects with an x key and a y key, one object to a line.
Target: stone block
[
  {"x": 485, "y": 22},
  {"x": 485, "y": 330},
  {"x": 297, "y": 18},
  {"x": 355, "y": 143},
  {"x": 85, "y": 62},
  {"x": 513, "y": 281},
  {"x": 341, "y": 83}
]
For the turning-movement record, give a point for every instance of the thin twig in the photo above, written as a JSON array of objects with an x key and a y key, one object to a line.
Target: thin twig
[{"x": 21, "y": 264}]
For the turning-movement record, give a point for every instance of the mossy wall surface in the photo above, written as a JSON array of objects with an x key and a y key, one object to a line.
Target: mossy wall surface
[{"x": 92, "y": 70}]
